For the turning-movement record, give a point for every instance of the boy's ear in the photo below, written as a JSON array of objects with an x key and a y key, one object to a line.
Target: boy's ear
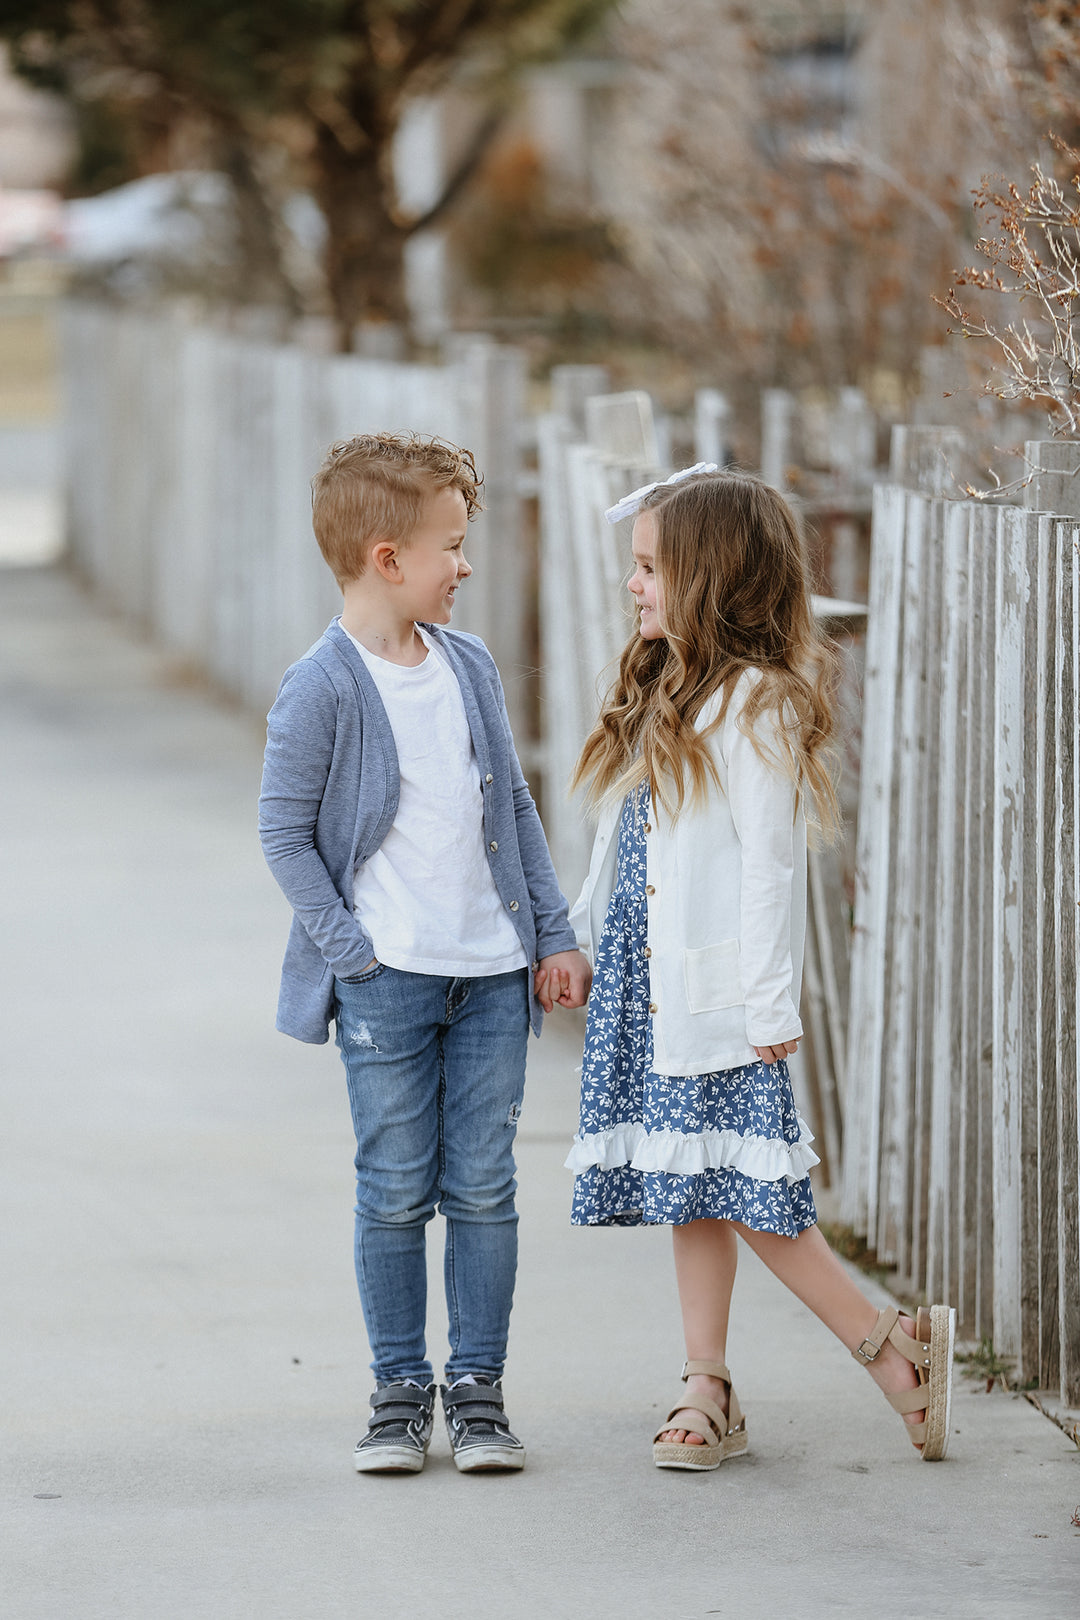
[{"x": 384, "y": 559}]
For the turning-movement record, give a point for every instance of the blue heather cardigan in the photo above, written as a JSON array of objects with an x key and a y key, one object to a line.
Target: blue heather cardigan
[{"x": 329, "y": 796}]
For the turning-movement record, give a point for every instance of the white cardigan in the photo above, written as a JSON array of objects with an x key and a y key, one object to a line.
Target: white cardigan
[{"x": 726, "y": 888}]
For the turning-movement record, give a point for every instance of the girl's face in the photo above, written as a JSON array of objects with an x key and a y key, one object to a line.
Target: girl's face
[{"x": 643, "y": 585}]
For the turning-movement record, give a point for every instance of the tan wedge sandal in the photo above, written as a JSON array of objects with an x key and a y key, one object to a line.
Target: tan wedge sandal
[
  {"x": 724, "y": 1434},
  {"x": 931, "y": 1353}
]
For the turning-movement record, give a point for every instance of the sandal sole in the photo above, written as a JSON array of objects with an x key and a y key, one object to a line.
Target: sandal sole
[
  {"x": 939, "y": 1413},
  {"x": 685, "y": 1464},
  {"x": 699, "y": 1459}
]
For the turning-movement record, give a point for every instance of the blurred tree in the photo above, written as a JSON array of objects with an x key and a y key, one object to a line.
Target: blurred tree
[
  {"x": 326, "y": 79},
  {"x": 526, "y": 256},
  {"x": 1054, "y": 34}
]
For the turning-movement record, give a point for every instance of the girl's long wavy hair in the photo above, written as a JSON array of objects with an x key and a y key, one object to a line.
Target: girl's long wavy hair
[{"x": 731, "y": 563}]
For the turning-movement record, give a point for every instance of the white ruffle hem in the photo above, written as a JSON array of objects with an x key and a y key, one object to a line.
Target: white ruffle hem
[{"x": 630, "y": 1145}]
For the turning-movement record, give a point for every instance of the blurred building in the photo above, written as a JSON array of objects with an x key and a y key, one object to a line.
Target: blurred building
[
  {"x": 688, "y": 131},
  {"x": 37, "y": 134}
]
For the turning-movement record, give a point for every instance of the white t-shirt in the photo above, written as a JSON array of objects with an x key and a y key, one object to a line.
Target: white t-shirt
[{"x": 426, "y": 897}]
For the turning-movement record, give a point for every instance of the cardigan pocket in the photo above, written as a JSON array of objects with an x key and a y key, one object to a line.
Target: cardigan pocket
[{"x": 712, "y": 976}]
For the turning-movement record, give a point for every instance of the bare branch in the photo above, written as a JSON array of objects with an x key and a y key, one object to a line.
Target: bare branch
[
  {"x": 1012, "y": 486},
  {"x": 1034, "y": 260}
]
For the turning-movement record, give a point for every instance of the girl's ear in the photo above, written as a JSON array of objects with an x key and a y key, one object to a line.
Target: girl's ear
[{"x": 383, "y": 558}]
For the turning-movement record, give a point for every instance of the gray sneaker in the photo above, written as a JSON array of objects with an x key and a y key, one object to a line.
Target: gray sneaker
[
  {"x": 399, "y": 1430},
  {"x": 478, "y": 1427}
]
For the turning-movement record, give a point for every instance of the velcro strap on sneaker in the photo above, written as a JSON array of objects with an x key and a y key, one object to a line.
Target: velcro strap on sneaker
[
  {"x": 398, "y": 1414},
  {"x": 408, "y": 1397},
  {"x": 475, "y": 1401}
]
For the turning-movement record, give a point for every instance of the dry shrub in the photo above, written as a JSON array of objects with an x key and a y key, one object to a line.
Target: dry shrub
[{"x": 1032, "y": 260}]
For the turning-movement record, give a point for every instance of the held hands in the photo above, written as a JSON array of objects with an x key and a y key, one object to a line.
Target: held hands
[
  {"x": 772, "y": 1054},
  {"x": 563, "y": 980}
]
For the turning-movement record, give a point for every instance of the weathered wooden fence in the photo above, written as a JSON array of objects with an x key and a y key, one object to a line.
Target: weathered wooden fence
[
  {"x": 960, "y": 1149},
  {"x": 947, "y": 1087},
  {"x": 189, "y": 453}
]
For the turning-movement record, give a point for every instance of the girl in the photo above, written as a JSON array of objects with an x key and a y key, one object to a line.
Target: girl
[{"x": 710, "y": 750}]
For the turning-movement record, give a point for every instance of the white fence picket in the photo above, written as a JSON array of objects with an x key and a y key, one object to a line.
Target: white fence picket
[
  {"x": 946, "y": 913},
  {"x": 1067, "y": 948},
  {"x": 873, "y": 860},
  {"x": 929, "y": 898},
  {"x": 986, "y": 668},
  {"x": 567, "y": 703},
  {"x": 902, "y": 940},
  {"x": 1010, "y": 727},
  {"x": 1042, "y": 1357}
]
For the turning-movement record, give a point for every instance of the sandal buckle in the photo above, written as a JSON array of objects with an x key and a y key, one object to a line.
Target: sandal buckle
[{"x": 862, "y": 1350}]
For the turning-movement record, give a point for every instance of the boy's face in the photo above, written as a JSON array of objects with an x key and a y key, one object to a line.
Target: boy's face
[{"x": 432, "y": 560}]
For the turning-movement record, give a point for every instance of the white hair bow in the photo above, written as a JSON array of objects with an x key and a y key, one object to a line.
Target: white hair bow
[{"x": 631, "y": 503}]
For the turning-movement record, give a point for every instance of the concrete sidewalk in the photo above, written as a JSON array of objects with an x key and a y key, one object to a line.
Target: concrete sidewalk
[{"x": 184, "y": 1368}]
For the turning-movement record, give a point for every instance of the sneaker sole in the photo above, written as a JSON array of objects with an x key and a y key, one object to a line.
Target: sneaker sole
[
  {"x": 488, "y": 1459},
  {"x": 390, "y": 1460}
]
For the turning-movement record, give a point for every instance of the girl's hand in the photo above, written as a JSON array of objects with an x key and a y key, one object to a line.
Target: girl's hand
[
  {"x": 773, "y": 1054},
  {"x": 569, "y": 979}
]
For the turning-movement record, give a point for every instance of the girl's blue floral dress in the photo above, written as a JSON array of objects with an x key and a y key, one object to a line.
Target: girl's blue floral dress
[{"x": 658, "y": 1149}]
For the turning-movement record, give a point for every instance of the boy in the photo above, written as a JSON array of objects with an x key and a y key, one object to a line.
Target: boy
[{"x": 395, "y": 817}]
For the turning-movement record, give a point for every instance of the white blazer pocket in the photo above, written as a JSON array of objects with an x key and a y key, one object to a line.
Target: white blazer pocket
[{"x": 712, "y": 975}]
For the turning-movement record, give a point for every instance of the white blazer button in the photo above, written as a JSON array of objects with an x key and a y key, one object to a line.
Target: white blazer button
[
  {"x": 649, "y": 889},
  {"x": 493, "y": 846},
  {"x": 648, "y": 950},
  {"x": 648, "y": 826},
  {"x": 513, "y": 905},
  {"x": 652, "y": 1006}
]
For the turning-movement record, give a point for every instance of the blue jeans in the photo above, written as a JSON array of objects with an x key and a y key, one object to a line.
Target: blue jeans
[{"x": 436, "y": 1073}]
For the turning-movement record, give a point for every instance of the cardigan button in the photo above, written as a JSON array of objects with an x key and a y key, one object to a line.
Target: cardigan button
[
  {"x": 648, "y": 950},
  {"x": 648, "y": 826},
  {"x": 493, "y": 846},
  {"x": 513, "y": 905},
  {"x": 649, "y": 889},
  {"x": 652, "y": 1006},
  {"x": 489, "y": 777}
]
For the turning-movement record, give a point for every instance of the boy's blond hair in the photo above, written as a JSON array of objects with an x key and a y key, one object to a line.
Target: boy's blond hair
[{"x": 373, "y": 487}]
